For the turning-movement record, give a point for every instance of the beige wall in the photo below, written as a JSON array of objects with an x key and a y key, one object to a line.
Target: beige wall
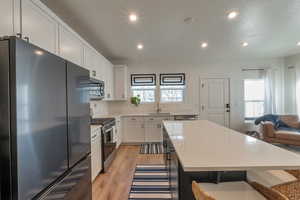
[{"x": 230, "y": 70}]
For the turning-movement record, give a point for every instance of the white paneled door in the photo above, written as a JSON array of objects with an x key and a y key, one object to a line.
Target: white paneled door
[{"x": 215, "y": 101}]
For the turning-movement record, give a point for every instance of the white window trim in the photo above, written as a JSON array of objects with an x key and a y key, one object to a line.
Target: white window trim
[
  {"x": 145, "y": 102},
  {"x": 249, "y": 101},
  {"x": 173, "y": 102}
]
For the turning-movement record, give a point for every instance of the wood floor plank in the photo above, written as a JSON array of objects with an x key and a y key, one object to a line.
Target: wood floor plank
[{"x": 116, "y": 182}]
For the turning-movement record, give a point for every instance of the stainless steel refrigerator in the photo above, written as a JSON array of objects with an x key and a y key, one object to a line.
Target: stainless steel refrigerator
[{"x": 44, "y": 128}]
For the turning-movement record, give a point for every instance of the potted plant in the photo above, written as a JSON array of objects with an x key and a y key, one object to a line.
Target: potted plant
[{"x": 135, "y": 100}]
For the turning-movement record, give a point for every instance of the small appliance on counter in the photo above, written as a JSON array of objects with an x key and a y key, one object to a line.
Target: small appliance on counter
[{"x": 108, "y": 142}]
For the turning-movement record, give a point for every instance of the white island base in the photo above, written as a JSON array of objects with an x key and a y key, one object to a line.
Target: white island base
[{"x": 203, "y": 151}]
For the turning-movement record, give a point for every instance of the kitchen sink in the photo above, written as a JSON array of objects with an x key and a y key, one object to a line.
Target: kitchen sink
[{"x": 161, "y": 114}]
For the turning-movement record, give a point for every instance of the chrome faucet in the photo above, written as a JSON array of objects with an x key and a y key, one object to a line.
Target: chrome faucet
[{"x": 158, "y": 109}]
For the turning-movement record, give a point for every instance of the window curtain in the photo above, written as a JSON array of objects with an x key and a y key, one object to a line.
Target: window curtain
[
  {"x": 298, "y": 89},
  {"x": 270, "y": 95}
]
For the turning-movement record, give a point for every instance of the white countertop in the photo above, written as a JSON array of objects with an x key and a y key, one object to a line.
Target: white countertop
[
  {"x": 205, "y": 146},
  {"x": 144, "y": 115},
  {"x": 94, "y": 127}
]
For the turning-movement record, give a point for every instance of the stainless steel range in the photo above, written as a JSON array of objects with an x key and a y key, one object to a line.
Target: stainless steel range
[{"x": 109, "y": 144}]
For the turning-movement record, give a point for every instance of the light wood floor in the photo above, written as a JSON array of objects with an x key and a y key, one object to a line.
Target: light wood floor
[{"x": 116, "y": 182}]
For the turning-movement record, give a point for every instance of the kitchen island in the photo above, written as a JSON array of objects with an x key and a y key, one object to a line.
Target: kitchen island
[{"x": 206, "y": 152}]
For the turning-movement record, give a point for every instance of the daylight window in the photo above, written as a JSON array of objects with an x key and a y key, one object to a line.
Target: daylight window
[
  {"x": 146, "y": 93},
  {"x": 254, "y": 98},
  {"x": 170, "y": 94}
]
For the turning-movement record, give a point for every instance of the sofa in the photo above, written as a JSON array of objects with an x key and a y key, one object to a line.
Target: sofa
[{"x": 288, "y": 136}]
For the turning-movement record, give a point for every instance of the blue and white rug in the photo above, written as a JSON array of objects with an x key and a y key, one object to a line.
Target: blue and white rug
[
  {"x": 152, "y": 148},
  {"x": 150, "y": 182}
]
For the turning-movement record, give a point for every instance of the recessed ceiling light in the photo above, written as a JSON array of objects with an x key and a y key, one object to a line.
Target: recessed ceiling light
[
  {"x": 298, "y": 43},
  {"x": 140, "y": 46},
  {"x": 133, "y": 17},
  {"x": 245, "y": 44},
  {"x": 204, "y": 45},
  {"x": 232, "y": 15}
]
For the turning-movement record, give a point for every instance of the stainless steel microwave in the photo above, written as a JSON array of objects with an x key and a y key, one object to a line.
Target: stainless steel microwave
[{"x": 96, "y": 89}]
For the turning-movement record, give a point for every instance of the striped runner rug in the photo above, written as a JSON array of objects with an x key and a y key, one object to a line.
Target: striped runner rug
[
  {"x": 150, "y": 182},
  {"x": 152, "y": 148}
]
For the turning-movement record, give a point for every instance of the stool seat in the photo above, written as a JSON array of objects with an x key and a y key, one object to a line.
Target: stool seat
[
  {"x": 270, "y": 178},
  {"x": 231, "y": 191},
  {"x": 235, "y": 191}
]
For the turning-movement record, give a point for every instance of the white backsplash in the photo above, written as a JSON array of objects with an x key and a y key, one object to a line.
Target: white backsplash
[
  {"x": 127, "y": 108},
  {"x": 99, "y": 108}
]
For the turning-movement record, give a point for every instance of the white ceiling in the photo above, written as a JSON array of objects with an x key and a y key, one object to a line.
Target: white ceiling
[{"x": 271, "y": 27}]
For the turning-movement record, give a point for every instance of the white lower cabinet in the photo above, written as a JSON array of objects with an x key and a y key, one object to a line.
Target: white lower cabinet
[
  {"x": 142, "y": 129},
  {"x": 133, "y": 129},
  {"x": 118, "y": 131},
  {"x": 96, "y": 152},
  {"x": 153, "y": 129}
]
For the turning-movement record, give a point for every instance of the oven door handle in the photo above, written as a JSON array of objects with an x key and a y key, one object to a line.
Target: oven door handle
[{"x": 108, "y": 130}]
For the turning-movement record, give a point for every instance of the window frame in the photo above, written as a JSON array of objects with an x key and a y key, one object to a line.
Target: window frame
[
  {"x": 252, "y": 101},
  {"x": 158, "y": 88},
  {"x": 183, "y": 89},
  {"x": 145, "y": 89}
]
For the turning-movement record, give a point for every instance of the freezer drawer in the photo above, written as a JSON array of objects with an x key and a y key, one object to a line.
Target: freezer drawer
[{"x": 75, "y": 186}]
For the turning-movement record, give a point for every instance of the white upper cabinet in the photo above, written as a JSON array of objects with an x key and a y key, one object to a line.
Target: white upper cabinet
[
  {"x": 9, "y": 17},
  {"x": 70, "y": 46},
  {"x": 100, "y": 67},
  {"x": 44, "y": 29},
  {"x": 90, "y": 61},
  {"x": 120, "y": 82},
  {"x": 40, "y": 28},
  {"x": 109, "y": 80}
]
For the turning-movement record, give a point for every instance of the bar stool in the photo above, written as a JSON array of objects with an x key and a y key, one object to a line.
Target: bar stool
[{"x": 234, "y": 191}]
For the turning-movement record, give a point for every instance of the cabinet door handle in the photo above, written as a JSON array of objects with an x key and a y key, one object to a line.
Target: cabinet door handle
[
  {"x": 94, "y": 73},
  {"x": 26, "y": 38},
  {"x": 19, "y": 35}
]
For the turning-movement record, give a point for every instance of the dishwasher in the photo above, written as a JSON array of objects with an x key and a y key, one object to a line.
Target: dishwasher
[{"x": 96, "y": 151}]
